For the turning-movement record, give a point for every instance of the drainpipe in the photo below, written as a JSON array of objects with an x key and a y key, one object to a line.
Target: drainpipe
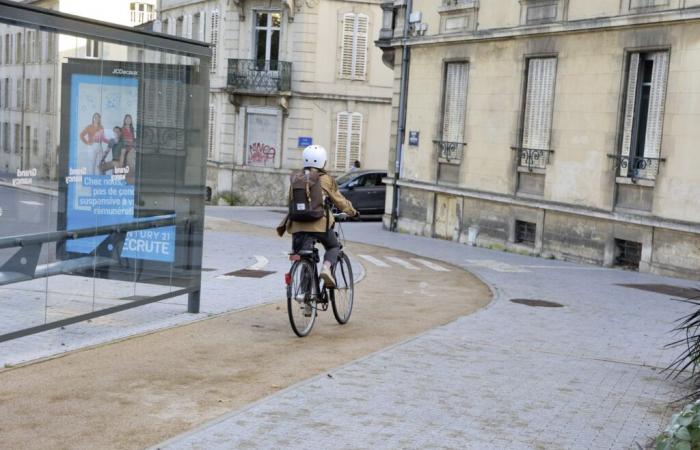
[{"x": 401, "y": 131}]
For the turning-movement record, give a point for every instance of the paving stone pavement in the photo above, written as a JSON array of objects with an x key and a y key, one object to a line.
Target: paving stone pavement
[
  {"x": 223, "y": 252},
  {"x": 584, "y": 376}
]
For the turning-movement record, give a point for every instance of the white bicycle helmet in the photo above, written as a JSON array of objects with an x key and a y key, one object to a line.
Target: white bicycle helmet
[{"x": 315, "y": 156}]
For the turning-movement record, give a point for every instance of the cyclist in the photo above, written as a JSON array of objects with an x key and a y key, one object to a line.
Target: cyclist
[{"x": 305, "y": 233}]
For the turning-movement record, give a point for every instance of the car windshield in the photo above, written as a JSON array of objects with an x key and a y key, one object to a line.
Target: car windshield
[{"x": 344, "y": 178}]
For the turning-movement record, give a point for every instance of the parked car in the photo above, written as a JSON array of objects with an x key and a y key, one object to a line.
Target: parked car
[{"x": 365, "y": 189}]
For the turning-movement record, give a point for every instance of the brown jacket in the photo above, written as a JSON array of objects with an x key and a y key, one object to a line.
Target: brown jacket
[{"x": 330, "y": 189}]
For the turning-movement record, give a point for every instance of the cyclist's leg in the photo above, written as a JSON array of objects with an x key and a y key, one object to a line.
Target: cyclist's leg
[{"x": 332, "y": 246}]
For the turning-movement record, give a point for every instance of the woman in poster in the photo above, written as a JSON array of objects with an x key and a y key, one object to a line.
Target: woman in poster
[
  {"x": 128, "y": 130},
  {"x": 93, "y": 136}
]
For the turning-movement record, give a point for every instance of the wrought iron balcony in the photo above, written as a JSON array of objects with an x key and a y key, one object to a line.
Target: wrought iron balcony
[
  {"x": 259, "y": 76},
  {"x": 533, "y": 158},
  {"x": 636, "y": 167},
  {"x": 450, "y": 152}
]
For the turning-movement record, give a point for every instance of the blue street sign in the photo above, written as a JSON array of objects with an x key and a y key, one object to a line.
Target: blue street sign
[{"x": 305, "y": 141}]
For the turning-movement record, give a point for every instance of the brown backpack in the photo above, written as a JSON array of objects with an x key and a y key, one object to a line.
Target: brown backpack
[{"x": 306, "y": 202}]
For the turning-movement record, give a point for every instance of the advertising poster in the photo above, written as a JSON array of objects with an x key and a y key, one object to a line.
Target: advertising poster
[{"x": 103, "y": 149}]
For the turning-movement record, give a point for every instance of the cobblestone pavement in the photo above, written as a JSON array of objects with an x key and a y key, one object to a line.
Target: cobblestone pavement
[{"x": 585, "y": 375}]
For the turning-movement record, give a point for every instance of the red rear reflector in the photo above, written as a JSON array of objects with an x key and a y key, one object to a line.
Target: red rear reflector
[
  {"x": 294, "y": 257},
  {"x": 288, "y": 278}
]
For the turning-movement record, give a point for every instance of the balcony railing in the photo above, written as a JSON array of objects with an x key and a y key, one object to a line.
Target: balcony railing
[
  {"x": 636, "y": 167},
  {"x": 259, "y": 76},
  {"x": 532, "y": 158},
  {"x": 450, "y": 152}
]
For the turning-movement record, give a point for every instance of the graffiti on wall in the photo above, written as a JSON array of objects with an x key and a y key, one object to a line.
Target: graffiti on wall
[{"x": 259, "y": 154}]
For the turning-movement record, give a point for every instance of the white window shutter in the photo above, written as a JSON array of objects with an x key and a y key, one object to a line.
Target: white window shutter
[
  {"x": 214, "y": 38},
  {"x": 657, "y": 99},
  {"x": 212, "y": 130},
  {"x": 454, "y": 112},
  {"x": 360, "y": 47},
  {"x": 539, "y": 102},
  {"x": 342, "y": 141},
  {"x": 629, "y": 110},
  {"x": 346, "y": 52},
  {"x": 355, "y": 147}
]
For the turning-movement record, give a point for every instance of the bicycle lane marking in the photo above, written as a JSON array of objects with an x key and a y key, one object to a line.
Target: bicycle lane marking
[
  {"x": 373, "y": 260},
  {"x": 430, "y": 265},
  {"x": 403, "y": 263}
]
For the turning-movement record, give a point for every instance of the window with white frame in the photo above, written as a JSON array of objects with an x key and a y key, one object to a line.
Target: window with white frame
[
  {"x": 18, "y": 94},
  {"x": 35, "y": 141},
  {"x": 268, "y": 25},
  {"x": 6, "y": 93},
  {"x": 6, "y": 137},
  {"x": 8, "y": 48},
  {"x": 537, "y": 115},
  {"x": 19, "y": 49},
  {"x": 353, "y": 53},
  {"x": 647, "y": 76},
  {"x": 454, "y": 111},
  {"x": 36, "y": 95},
  {"x": 49, "y": 94},
  {"x": 18, "y": 137},
  {"x": 214, "y": 39},
  {"x": 92, "y": 48},
  {"x": 141, "y": 12},
  {"x": 348, "y": 139}
]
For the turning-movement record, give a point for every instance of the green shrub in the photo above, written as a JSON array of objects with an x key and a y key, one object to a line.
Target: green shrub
[
  {"x": 683, "y": 433},
  {"x": 226, "y": 197}
]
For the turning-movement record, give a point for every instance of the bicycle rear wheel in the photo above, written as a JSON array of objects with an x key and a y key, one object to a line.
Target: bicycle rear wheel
[
  {"x": 301, "y": 301},
  {"x": 343, "y": 293}
]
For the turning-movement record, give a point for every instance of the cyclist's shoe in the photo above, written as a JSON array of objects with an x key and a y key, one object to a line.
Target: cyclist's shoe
[{"x": 327, "y": 277}]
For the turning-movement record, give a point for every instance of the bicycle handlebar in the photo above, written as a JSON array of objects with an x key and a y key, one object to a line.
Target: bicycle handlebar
[{"x": 341, "y": 216}]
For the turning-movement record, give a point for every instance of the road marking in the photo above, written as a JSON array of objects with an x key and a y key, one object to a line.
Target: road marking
[
  {"x": 31, "y": 203},
  {"x": 260, "y": 263},
  {"x": 430, "y": 265},
  {"x": 496, "y": 265},
  {"x": 373, "y": 260},
  {"x": 402, "y": 263}
]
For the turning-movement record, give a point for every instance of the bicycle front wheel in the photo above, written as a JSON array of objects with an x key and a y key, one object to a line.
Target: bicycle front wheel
[
  {"x": 301, "y": 299},
  {"x": 343, "y": 293}
]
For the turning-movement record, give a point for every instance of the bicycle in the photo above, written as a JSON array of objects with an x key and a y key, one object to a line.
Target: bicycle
[{"x": 305, "y": 293}]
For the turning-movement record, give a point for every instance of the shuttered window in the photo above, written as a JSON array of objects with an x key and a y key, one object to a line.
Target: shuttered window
[
  {"x": 539, "y": 102},
  {"x": 353, "y": 54},
  {"x": 348, "y": 140},
  {"x": 644, "y": 111},
  {"x": 212, "y": 130},
  {"x": 455, "y": 102},
  {"x": 214, "y": 39}
]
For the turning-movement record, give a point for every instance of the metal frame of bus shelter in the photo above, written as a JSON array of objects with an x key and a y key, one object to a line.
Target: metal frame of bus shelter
[{"x": 22, "y": 266}]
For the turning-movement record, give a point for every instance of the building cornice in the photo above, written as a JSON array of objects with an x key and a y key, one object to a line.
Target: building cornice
[
  {"x": 558, "y": 28},
  {"x": 547, "y": 205},
  {"x": 342, "y": 97}
]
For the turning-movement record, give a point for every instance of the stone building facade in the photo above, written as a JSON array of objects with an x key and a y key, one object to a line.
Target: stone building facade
[
  {"x": 561, "y": 128},
  {"x": 285, "y": 74}
]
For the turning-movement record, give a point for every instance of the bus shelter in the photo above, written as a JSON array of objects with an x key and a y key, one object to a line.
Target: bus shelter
[{"x": 103, "y": 138}]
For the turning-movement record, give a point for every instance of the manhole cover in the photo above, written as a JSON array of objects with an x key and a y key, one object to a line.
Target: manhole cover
[
  {"x": 248, "y": 273},
  {"x": 666, "y": 289},
  {"x": 540, "y": 303}
]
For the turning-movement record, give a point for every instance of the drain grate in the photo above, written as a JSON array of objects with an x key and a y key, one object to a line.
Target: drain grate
[
  {"x": 539, "y": 303},
  {"x": 248, "y": 273},
  {"x": 666, "y": 289}
]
